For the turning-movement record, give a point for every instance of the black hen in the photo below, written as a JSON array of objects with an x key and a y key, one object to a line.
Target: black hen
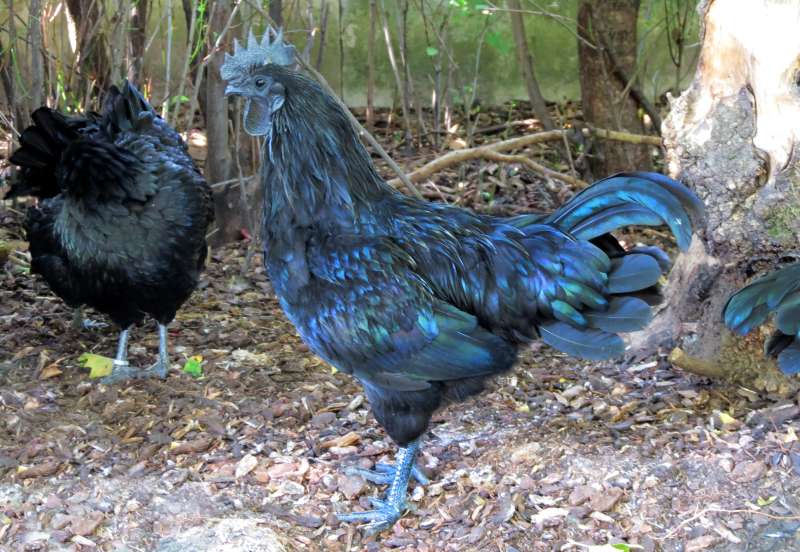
[
  {"x": 779, "y": 293},
  {"x": 423, "y": 302},
  {"x": 123, "y": 215}
]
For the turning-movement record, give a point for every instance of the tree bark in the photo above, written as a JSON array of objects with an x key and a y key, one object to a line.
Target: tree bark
[
  {"x": 526, "y": 62},
  {"x": 35, "y": 45},
  {"x": 323, "y": 30},
  {"x": 731, "y": 137},
  {"x": 606, "y": 102},
  {"x": 202, "y": 51},
  {"x": 373, "y": 21},
  {"x": 138, "y": 39},
  {"x": 401, "y": 85},
  {"x": 276, "y": 12},
  {"x": 219, "y": 159},
  {"x": 91, "y": 45}
]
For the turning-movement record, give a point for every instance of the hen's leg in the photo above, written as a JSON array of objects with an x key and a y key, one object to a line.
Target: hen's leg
[
  {"x": 388, "y": 511},
  {"x": 121, "y": 370},
  {"x": 79, "y": 323},
  {"x": 160, "y": 368}
]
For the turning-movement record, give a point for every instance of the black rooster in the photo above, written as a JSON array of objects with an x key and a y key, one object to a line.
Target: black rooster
[
  {"x": 123, "y": 214},
  {"x": 423, "y": 302},
  {"x": 779, "y": 293}
]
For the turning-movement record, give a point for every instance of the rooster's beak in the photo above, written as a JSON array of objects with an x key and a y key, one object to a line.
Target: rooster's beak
[{"x": 231, "y": 90}]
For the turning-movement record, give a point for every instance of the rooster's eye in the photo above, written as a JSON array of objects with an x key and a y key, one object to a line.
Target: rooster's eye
[{"x": 260, "y": 83}]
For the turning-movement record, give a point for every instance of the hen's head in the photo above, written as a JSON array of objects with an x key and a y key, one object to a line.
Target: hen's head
[{"x": 250, "y": 73}]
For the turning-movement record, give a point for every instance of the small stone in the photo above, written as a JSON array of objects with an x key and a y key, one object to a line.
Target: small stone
[
  {"x": 292, "y": 488},
  {"x": 59, "y": 521},
  {"x": 52, "y": 502},
  {"x": 572, "y": 392},
  {"x": 86, "y": 524},
  {"x": 649, "y": 482},
  {"x": 580, "y": 494},
  {"x": 351, "y": 485},
  {"x": 281, "y": 471},
  {"x": 261, "y": 475},
  {"x": 604, "y": 501},
  {"x": 526, "y": 453},
  {"x": 323, "y": 420},
  {"x": 344, "y": 451},
  {"x": 701, "y": 543},
  {"x": 247, "y": 464},
  {"x": 745, "y": 472}
]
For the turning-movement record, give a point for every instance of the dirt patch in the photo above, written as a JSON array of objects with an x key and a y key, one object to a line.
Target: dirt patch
[{"x": 558, "y": 455}]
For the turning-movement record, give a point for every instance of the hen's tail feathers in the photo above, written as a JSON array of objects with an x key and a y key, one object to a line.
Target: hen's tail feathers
[
  {"x": 779, "y": 293},
  {"x": 125, "y": 110},
  {"x": 41, "y": 146},
  {"x": 627, "y": 199}
]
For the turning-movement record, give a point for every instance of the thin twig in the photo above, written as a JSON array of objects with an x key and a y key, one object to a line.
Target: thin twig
[
  {"x": 407, "y": 183},
  {"x": 533, "y": 165},
  {"x": 712, "y": 510}
]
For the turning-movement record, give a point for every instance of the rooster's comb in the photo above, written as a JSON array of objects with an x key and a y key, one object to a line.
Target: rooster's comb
[{"x": 257, "y": 53}]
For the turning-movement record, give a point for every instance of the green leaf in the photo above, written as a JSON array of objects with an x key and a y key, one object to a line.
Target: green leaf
[
  {"x": 431, "y": 51},
  {"x": 98, "y": 365},
  {"x": 499, "y": 42},
  {"x": 194, "y": 366},
  {"x": 766, "y": 501}
]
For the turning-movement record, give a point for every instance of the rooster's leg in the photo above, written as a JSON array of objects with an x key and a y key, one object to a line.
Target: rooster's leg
[
  {"x": 388, "y": 511},
  {"x": 121, "y": 370},
  {"x": 383, "y": 474},
  {"x": 160, "y": 368}
]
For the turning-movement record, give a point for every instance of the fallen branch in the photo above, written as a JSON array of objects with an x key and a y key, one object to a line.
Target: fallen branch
[
  {"x": 621, "y": 136},
  {"x": 459, "y": 156},
  {"x": 534, "y": 166},
  {"x": 488, "y": 151}
]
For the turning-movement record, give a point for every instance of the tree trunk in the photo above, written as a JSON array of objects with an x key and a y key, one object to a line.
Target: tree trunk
[
  {"x": 323, "y": 30},
  {"x": 731, "y": 137},
  {"x": 373, "y": 21},
  {"x": 276, "y": 12},
  {"x": 401, "y": 88},
  {"x": 138, "y": 39},
  {"x": 92, "y": 58},
  {"x": 606, "y": 101},
  {"x": 526, "y": 61},
  {"x": 191, "y": 43},
  {"x": 219, "y": 159},
  {"x": 35, "y": 45}
]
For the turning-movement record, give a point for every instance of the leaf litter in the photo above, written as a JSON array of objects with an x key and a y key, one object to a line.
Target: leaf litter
[{"x": 245, "y": 445}]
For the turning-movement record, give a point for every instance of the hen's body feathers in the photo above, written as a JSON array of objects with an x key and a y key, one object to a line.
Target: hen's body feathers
[
  {"x": 123, "y": 213},
  {"x": 778, "y": 293}
]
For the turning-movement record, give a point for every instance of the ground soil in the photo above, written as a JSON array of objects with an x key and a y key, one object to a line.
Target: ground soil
[{"x": 557, "y": 455}]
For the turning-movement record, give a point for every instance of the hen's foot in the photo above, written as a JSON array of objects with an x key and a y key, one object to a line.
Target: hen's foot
[{"x": 122, "y": 372}]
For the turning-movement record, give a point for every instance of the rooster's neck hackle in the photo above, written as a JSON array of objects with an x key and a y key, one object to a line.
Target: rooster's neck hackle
[{"x": 316, "y": 173}]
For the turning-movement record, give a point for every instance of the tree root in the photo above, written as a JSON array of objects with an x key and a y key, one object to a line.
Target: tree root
[{"x": 701, "y": 367}]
